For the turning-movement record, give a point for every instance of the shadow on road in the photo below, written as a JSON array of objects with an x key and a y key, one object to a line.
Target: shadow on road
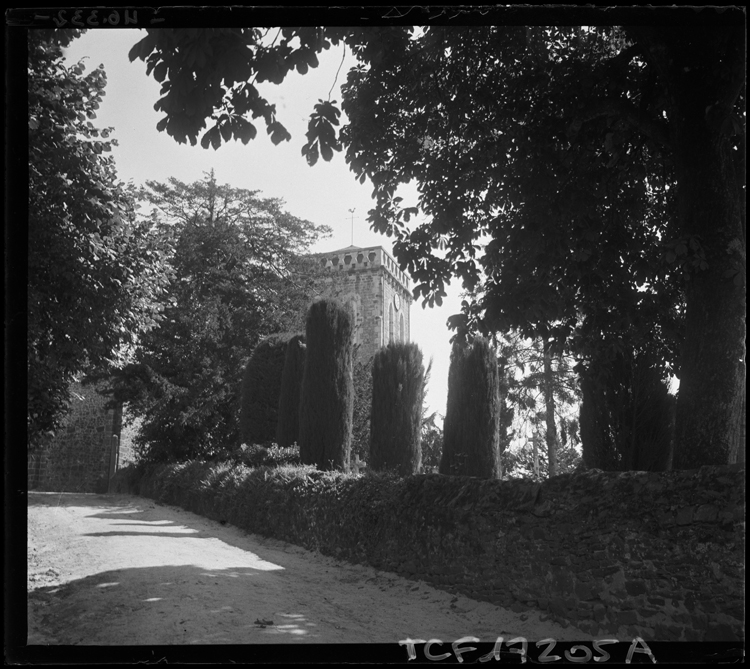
[
  {"x": 166, "y": 605},
  {"x": 145, "y": 512}
]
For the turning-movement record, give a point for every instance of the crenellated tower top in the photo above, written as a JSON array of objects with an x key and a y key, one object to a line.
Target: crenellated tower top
[{"x": 370, "y": 281}]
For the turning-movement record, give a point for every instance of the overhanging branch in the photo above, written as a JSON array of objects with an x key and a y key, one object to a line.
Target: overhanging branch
[{"x": 650, "y": 127}]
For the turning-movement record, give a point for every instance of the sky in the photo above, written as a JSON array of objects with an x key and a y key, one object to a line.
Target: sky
[{"x": 324, "y": 194}]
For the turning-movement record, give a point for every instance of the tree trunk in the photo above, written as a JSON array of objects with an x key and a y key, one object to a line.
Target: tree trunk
[
  {"x": 632, "y": 408},
  {"x": 589, "y": 421},
  {"x": 549, "y": 401},
  {"x": 739, "y": 456},
  {"x": 703, "y": 71}
]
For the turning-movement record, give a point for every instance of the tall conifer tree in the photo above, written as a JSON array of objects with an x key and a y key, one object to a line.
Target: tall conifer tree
[
  {"x": 327, "y": 387},
  {"x": 261, "y": 390},
  {"x": 397, "y": 397},
  {"x": 471, "y": 445},
  {"x": 287, "y": 430}
]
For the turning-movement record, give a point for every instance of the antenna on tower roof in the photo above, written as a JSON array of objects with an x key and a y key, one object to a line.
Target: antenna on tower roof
[{"x": 351, "y": 211}]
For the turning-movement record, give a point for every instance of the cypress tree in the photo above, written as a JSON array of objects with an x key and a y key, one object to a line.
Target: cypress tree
[
  {"x": 471, "y": 441},
  {"x": 261, "y": 387},
  {"x": 287, "y": 428},
  {"x": 327, "y": 387},
  {"x": 397, "y": 397}
]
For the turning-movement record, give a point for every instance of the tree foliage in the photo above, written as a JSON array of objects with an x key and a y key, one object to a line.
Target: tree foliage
[
  {"x": 261, "y": 391},
  {"x": 238, "y": 276},
  {"x": 432, "y": 443},
  {"x": 523, "y": 462},
  {"x": 556, "y": 188},
  {"x": 540, "y": 397},
  {"x": 92, "y": 269},
  {"x": 398, "y": 377},
  {"x": 432, "y": 433},
  {"x": 627, "y": 417},
  {"x": 362, "y": 412},
  {"x": 327, "y": 387},
  {"x": 287, "y": 429},
  {"x": 585, "y": 184},
  {"x": 471, "y": 438}
]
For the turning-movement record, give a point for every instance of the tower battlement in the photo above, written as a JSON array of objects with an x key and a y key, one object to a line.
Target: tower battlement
[
  {"x": 371, "y": 283},
  {"x": 355, "y": 258}
]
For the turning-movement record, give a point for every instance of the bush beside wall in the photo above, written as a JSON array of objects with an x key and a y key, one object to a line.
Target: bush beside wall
[{"x": 655, "y": 555}]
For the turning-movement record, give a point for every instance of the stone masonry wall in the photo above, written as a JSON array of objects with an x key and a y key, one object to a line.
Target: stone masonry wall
[
  {"x": 655, "y": 555},
  {"x": 368, "y": 279},
  {"x": 361, "y": 291},
  {"x": 78, "y": 459},
  {"x": 659, "y": 555}
]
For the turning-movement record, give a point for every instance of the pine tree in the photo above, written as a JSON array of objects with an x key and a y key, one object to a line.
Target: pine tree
[
  {"x": 471, "y": 445},
  {"x": 327, "y": 387},
  {"x": 287, "y": 429},
  {"x": 539, "y": 396},
  {"x": 397, "y": 398}
]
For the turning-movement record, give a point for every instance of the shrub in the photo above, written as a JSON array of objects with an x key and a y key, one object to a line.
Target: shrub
[
  {"x": 327, "y": 387},
  {"x": 471, "y": 432},
  {"x": 261, "y": 388},
  {"x": 268, "y": 456},
  {"x": 287, "y": 428},
  {"x": 256, "y": 455},
  {"x": 397, "y": 398}
]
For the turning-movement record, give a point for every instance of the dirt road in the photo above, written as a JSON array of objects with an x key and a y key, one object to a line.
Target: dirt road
[{"x": 123, "y": 570}]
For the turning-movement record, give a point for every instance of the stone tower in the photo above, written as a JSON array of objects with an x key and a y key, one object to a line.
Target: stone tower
[{"x": 377, "y": 291}]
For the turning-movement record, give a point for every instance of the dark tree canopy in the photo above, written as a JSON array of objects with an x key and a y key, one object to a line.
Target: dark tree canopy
[
  {"x": 626, "y": 417},
  {"x": 585, "y": 184},
  {"x": 92, "y": 269}
]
